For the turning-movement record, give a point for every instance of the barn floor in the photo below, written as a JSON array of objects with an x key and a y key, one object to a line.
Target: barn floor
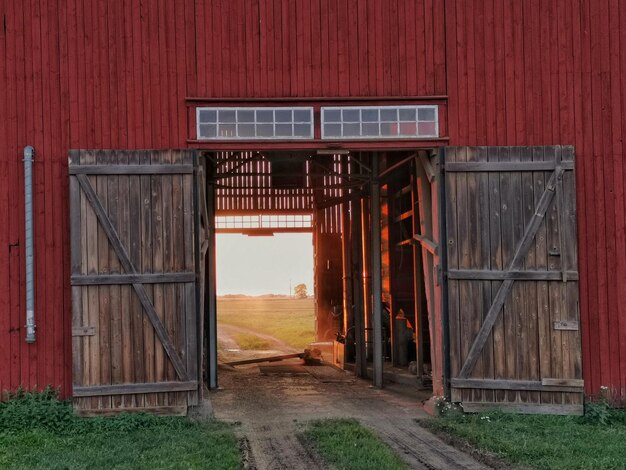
[{"x": 273, "y": 402}]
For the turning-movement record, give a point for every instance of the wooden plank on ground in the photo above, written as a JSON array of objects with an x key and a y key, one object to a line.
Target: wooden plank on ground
[{"x": 266, "y": 359}]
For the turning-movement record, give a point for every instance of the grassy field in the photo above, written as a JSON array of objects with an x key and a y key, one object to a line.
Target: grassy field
[
  {"x": 345, "y": 444},
  {"x": 542, "y": 442},
  {"x": 292, "y": 321},
  {"x": 39, "y": 432}
]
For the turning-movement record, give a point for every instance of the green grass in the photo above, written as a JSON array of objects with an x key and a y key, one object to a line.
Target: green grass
[
  {"x": 251, "y": 342},
  {"x": 346, "y": 444},
  {"x": 39, "y": 432},
  {"x": 542, "y": 442},
  {"x": 292, "y": 321}
]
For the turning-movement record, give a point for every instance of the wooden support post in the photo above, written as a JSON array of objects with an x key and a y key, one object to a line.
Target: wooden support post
[
  {"x": 346, "y": 241},
  {"x": 376, "y": 277},
  {"x": 418, "y": 276},
  {"x": 210, "y": 311},
  {"x": 356, "y": 228},
  {"x": 365, "y": 274}
]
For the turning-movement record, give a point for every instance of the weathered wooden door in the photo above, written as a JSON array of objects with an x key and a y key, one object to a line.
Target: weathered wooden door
[
  {"x": 513, "y": 279},
  {"x": 134, "y": 317}
]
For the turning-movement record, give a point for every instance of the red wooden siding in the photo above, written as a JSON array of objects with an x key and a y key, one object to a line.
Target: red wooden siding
[
  {"x": 100, "y": 74},
  {"x": 319, "y": 48},
  {"x": 541, "y": 72}
]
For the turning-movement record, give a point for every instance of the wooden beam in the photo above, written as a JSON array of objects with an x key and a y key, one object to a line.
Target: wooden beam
[
  {"x": 265, "y": 231},
  {"x": 131, "y": 169},
  {"x": 507, "y": 166},
  {"x": 565, "y": 325},
  {"x": 563, "y": 382},
  {"x": 179, "y": 410},
  {"x": 318, "y": 144},
  {"x": 503, "y": 384},
  {"x": 431, "y": 174},
  {"x": 83, "y": 331},
  {"x": 147, "y": 278},
  {"x": 130, "y": 389},
  {"x": 363, "y": 101},
  {"x": 486, "y": 275},
  {"x": 266, "y": 359},
  {"x": 427, "y": 244},
  {"x": 376, "y": 275}
]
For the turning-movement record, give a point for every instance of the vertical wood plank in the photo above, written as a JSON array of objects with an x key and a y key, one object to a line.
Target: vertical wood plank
[
  {"x": 146, "y": 247},
  {"x": 115, "y": 342},
  {"x": 135, "y": 253},
  {"x": 156, "y": 218},
  {"x": 127, "y": 375},
  {"x": 452, "y": 245}
]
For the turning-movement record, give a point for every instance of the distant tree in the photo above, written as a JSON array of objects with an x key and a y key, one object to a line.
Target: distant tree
[{"x": 300, "y": 291}]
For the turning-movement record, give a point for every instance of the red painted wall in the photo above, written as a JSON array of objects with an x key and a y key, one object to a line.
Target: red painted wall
[
  {"x": 540, "y": 72},
  {"x": 101, "y": 74}
]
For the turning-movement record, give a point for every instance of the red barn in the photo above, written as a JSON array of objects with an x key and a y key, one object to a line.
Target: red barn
[{"x": 480, "y": 140}]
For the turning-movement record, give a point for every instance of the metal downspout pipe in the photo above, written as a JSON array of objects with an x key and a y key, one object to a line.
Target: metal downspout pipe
[{"x": 29, "y": 153}]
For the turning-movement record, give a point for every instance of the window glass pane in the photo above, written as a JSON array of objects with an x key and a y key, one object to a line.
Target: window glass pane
[
  {"x": 207, "y": 116},
  {"x": 264, "y": 115},
  {"x": 407, "y": 114},
  {"x": 245, "y": 115},
  {"x": 283, "y": 115},
  {"x": 371, "y": 129},
  {"x": 389, "y": 129},
  {"x": 332, "y": 130},
  {"x": 227, "y": 116},
  {"x": 284, "y": 130},
  {"x": 426, "y": 114},
  {"x": 408, "y": 128},
  {"x": 301, "y": 115},
  {"x": 351, "y": 115},
  {"x": 332, "y": 115},
  {"x": 352, "y": 129},
  {"x": 302, "y": 130},
  {"x": 245, "y": 130},
  {"x": 264, "y": 130},
  {"x": 208, "y": 130},
  {"x": 370, "y": 115},
  {"x": 388, "y": 114},
  {"x": 427, "y": 129},
  {"x": 227, "y": 130}
]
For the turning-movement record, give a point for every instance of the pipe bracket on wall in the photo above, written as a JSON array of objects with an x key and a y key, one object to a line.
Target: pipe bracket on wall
[{"x": 29, "y": 154}]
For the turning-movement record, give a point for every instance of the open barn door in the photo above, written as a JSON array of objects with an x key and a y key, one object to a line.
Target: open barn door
[
  {"x": 134, "y": 273},
  {"x": 513, "y": 279}
]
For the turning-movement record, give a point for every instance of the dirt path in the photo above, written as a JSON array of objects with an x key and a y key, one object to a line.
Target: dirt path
[
  {"x": 273, "y": 403},
  {"x": 229, "y": 348},
  {"x": 226, "y": 332}
]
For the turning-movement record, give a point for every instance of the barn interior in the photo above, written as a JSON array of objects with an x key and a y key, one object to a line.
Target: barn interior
[{"x": 371, "y": 305}]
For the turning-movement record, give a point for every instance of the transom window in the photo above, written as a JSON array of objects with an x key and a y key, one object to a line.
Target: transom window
[
  {"x": 260, "y": 221},
  {"x": 254, "y": 123},
  {"x": 380, "y": 122}
]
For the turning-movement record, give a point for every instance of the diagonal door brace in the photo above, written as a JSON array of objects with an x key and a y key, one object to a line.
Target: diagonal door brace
[
  {"x": 514, "y": 265},
  {"x": 129, "y": 267}
]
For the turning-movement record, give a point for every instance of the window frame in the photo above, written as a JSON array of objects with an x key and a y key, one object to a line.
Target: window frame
[
  {"x": 255, "y": 123},
  {"x": 398, "y": 122}
]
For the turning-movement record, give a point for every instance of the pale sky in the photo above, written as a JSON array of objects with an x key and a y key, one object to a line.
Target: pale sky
[{"x": 263, "y": 265}]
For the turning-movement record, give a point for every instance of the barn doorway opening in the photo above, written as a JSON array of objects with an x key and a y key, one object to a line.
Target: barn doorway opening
[
  {"x": 340, "y": 195},
  {"x": 265, "y": 294}
]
